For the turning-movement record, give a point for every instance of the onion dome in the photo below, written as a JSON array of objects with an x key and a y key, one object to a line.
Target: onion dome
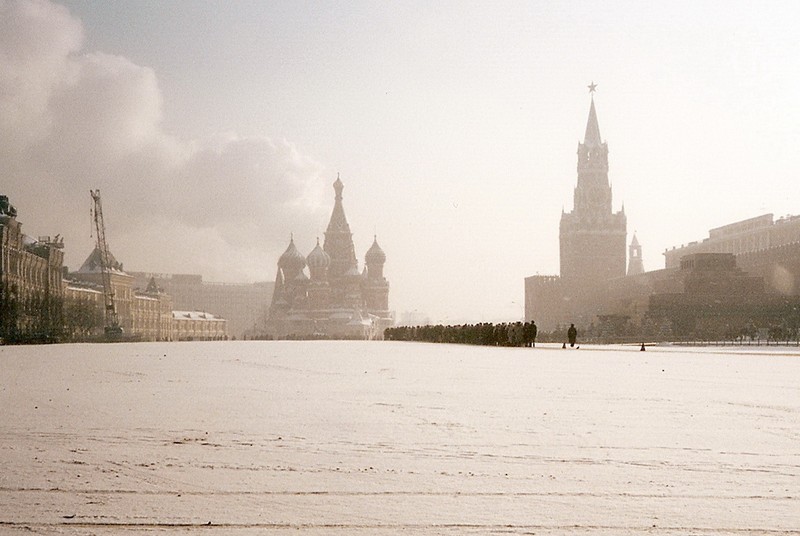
[
  {"x": 318, "y": 258},
  {"x": 375, "y": 254},
  {"x": 292, "y": 259}
]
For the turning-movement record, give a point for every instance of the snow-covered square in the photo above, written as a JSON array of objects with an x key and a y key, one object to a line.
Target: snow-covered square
[{"x": 325, "y": 437}]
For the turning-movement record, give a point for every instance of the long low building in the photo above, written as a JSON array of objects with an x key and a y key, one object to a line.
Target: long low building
[
  {"x": 762, "y": 245},
  {"x": 757, "y": 234},
  {"x": 241, "y": 304},
  {"x": 198, "y": 326},
  {"x": 144, "y": 313},
  {"x": 148, "y": 315}
]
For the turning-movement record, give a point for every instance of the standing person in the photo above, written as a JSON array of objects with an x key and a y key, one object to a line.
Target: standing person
[
  {"x": 530, "y": 336},
  {"x": 526, "y": 334},
  {"x": 572, "y": 335}
]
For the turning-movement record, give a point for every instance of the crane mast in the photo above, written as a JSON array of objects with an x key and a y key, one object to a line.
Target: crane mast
[{"x": 112, "y": 326}]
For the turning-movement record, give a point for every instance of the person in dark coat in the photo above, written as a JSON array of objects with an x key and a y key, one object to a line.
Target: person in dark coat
[
  {"x": 572, "y": 334},
  {"x": 530, "y": 334}
]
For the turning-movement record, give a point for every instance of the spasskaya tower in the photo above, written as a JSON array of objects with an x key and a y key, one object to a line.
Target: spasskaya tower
[{"x": 592, "y": 236}]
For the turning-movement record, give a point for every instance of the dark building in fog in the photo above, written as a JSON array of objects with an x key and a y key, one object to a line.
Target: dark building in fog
[
  {"x": 707, "y": 292},
  {"x": 762, "y": 246},
  {"x": 335, "y": 299},
  {"x": 743, "y": 278},
  {"x": 592, "y": 243}
]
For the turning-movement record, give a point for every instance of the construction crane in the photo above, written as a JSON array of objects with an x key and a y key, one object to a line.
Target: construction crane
[{"x": 111, "y": 324}]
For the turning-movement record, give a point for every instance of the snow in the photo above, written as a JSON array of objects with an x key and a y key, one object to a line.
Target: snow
[
  {"x": 334, "y": 437},
  {"x": 195, "y": 315}
]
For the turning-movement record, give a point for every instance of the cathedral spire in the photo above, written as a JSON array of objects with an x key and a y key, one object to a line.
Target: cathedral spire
[
  {"x": 338, "y": 221},
  {"x": 338, "y": 238}
]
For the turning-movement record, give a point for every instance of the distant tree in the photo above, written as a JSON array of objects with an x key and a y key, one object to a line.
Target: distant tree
[
  {"x": 9, "y": 312},
  {"x": 81, "y": 318}
]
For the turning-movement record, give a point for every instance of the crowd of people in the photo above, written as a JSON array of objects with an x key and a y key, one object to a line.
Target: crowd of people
[{"x": 486, "y": 334}]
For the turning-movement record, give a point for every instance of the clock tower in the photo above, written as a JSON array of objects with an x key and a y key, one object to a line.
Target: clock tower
[{"x": 592, "y": 236}]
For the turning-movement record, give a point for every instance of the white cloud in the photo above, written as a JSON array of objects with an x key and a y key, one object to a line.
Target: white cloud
[
  {"x": 36, "y": 38},
  {"x": 71, "y": 121},
  {"x": 105, "y": 108}
]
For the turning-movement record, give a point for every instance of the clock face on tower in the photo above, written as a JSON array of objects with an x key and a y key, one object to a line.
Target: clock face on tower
[{"x": 595, "y": 197}]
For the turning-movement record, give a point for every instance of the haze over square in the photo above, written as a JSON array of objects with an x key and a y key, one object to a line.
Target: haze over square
[{"x": 215, "y": 131}]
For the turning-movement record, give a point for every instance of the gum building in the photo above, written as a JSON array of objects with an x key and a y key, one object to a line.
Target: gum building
[
  {"x": 31, "y": 291},
  {"x": 145, "y": 314}
]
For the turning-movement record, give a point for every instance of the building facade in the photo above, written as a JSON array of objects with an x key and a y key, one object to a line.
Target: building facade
[
  {"x": 240, "y": 304},
  {"x": 592, "y": 243},
  {"x": 335, "y": 299},
  {"x": 31, "y": 293},
  {"x": 152, "y": 314},
  {"x": 90, "y": 275},
  {"x": 83, "y": 310},
  {"x": 709, "y": 297},
  {"x": 745, "y": 276},
  {"x": 198, "y": 326},
  {"x": 40, "y": 301},
  {"x": 145, "y": 313},
  {"x": 762, "y": 245}
]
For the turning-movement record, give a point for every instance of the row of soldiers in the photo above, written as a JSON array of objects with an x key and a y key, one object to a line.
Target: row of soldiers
[{"x": 485, "y": 333}]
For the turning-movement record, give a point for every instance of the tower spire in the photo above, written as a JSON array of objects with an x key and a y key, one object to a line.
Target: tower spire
[
  {"x": 592, "y": 136},
  {"x": 592, "y": 236},
  {"x": 635, "y": 262}
]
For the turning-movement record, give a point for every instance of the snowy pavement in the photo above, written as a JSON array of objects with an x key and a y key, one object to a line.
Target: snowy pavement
[{"x": 387, "y": 438}]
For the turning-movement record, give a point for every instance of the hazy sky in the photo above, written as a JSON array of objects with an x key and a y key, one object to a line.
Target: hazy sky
[{"x": 215, "y": 129}]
